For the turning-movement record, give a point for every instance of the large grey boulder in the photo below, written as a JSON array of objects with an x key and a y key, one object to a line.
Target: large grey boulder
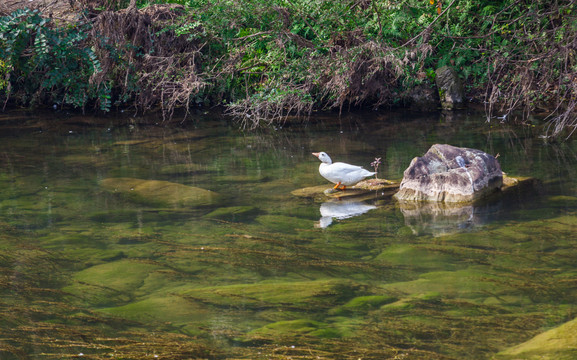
[
  {"x": 450, "y": 174},
  {"x": 450, "y": 87}
]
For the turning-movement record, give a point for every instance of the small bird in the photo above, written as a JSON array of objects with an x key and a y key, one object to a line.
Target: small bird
[{"x": 339, "y": 173}]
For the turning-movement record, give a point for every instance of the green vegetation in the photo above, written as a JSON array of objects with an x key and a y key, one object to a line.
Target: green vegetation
[
  {"x": 267, "y": 60},
  {"x": 47, "y": 64}
]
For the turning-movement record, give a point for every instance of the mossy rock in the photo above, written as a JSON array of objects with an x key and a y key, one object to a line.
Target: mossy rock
[
  {"x": 295, "y": 328},
  {"x": 395, "y": 307},
  {"x": 559, "y": 343},
  {"x": 465, "y": 284},
  {"x": 140, "y": 215},
  {"x": 181, "y": 169},
  {"x": 303, "y": 295},
  {"x": 102, "y": 284},
  {"x": 284, "y": 224},
  {"x": 233, "y": 213},
  {"x": 159, "y": 193},
  {"x": 363, "y": 304},
  {"x": 174, "y": 310},
  {"x": 519, "y": 181},
  {"x": 366, "y": 188},
  {"x": 312, "y": 192},
  {"x": 507, "y": 300},
  {"x": 411, "y": 255},
  {"x": 412, "y": 301}
]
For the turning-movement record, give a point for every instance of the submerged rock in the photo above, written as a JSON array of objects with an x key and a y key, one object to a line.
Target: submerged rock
[
  {"x": 450, "y": 174},
  {"x": 233, "y": 213},
  {"x": 180, "y": 169},
  {"x": 302, "y": 295},
  {"x": 294, "y": 328},
  {"x": 450, "y": 88},
  {"x": 363, "y": 304},
  {"x": 559, "y": 343},
  {"x": 159, "y": 193},
  {"x": 102, "y": 285}
]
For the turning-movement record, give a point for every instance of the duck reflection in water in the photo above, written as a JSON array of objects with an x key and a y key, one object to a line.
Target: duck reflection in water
[{"x": 341, "y": 210}]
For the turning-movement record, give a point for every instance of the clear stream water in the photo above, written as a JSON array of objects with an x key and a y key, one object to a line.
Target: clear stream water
[{"x": 90, "y": 272}]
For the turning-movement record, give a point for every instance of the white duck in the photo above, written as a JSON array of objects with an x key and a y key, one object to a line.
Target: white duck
[{"x": 339, "y": 173}]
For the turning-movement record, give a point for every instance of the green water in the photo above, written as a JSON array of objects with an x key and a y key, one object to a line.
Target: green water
[{"x": 93, "y": 270}]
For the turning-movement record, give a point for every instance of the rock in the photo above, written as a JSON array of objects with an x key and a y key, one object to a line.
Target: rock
[
  {"x": 180, "y": 169},
  {"x": 363, "y": 304},
  {"x": 515, "y": 186},
  {"x": 450, "y": 88},
  {"x": 294, "y": 328},
  {"x": 306, "y": 295},
  {"x": 367, "y": 187},
  {"x": 450, "y": 174},
  {"x": 233, "y": 213},
  {"x": 100, "y": 284},
  {"x": 423, "y": 98},
  {"x": 559, "y": 343},
  {"x": 159, "y": 193},
  {"x": 376, "y": 184}
]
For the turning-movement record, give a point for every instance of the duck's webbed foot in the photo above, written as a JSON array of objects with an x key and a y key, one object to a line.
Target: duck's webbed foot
[{"x": 336, "y": 187}]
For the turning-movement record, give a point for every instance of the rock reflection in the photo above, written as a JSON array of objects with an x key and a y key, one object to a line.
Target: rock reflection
[
  {"x": 340, "y": 210},
  {"x": 437, "y": 219}
]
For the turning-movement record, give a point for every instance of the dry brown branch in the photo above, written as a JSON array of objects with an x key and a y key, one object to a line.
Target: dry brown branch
[{"x": 159, "y": 68}]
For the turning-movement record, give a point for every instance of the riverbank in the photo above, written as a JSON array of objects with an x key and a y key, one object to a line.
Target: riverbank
[{"x": 265, "y": 62}]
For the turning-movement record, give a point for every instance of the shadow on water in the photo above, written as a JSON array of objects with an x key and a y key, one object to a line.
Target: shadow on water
[
  {"x": 438, "y": 219},
  {"x": 141, "y": 241}
]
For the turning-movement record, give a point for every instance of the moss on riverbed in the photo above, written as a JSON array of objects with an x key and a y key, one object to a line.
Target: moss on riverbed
[
  {"x": 84, "y": 271},
  {"x": 559, "y": 343}
]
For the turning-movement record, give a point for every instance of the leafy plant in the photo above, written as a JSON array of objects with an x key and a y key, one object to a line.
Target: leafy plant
[
  {"x": 48, "y": 63},
  {"x": 267, "y": 60},
  {"x": 3, "y": 75}
]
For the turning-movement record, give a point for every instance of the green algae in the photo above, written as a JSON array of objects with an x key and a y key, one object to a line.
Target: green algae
[
  {"x": 172, "y": 312},
  {"x": 413, "y": 256},
  {"x": 294, "y": 329},
  {"x": 559, "y": 343},
  {"x": 284, "y": 224},
  {"x": 100, "y": 285},
  {"x": 233, "y": 213},
  {"x": 248, "y": 275},
  {"x": 159, "y": 193},
  {"x": 179, "y": 169},
  {"x": 303, "y": 295},
  {"x": 141, "y": 215},
  {"x": 363, "y": 304}
]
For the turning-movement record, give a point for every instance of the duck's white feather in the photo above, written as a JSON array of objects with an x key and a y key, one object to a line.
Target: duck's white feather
[{"x": 343, "y": 173}]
